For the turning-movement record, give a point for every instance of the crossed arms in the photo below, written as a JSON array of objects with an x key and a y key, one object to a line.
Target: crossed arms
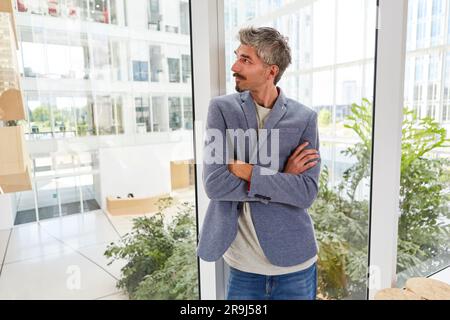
[{"x": 296, "y": 185}]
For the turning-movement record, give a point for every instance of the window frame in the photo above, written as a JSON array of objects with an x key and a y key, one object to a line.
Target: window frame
[{"x": 209, "y": 80}]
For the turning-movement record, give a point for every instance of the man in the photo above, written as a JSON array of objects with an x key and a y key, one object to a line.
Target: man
[{"x": 257, "y": 218}]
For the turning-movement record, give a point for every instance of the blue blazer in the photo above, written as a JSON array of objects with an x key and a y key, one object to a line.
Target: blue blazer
[{"x": 278, "y": 201}]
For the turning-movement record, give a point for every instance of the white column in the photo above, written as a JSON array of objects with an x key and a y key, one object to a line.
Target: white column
[
  {"x": 388, "y": 115},
  {"x": 209, "y": 81}
]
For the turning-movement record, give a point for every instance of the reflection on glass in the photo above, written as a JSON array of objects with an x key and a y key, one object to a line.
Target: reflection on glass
[
  {"x": 69, "y": 194},
  {"x": 154, "y": 16},
  {"x": 174, "y": 69},
  {"x": 186, "y": 65},
  {"x": 424, "y": 223},
  {"x": 140, "y": 70},
  {"x": 187, "y": 112},
  {"x": 96, "y": 87},
  {"x": 143, "y": 121},
  {"x": 156, "y": 67},
  {"x": 101, "y": 58},
  {"x": 323, "y": 35},
  {"x": 39, "y": 116},
  {"x": 159, "y": 114},
  {"x": 84, "y": 116},
  {"x": 47, "y": 199},
  {"x": 174, "y": 113}
]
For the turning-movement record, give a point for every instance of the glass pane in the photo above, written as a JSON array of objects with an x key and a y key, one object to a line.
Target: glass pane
[
  {"x": 143, "y": 121},
  {"x": 187, "y": 112},
  {"x": 89, "y": 202},
  {"x": 39, "y": 116},
  {"x": 26, "y": 207},
  {"x": 155, "y": 63},
  {"x": 174, "y": 69},
  {"x": 104, "y": 87},
  {"x": 160, "y": 122},
  {"x": 69, "y": 194},
  {"x": 424, "y": 224},
  {"x": 175, "y": 113},
  {"x": 47, "y": 198},
  {"x": 332, "y": 46}
]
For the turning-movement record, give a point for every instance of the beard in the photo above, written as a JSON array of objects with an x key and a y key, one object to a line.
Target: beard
[{"x": 237, "y": 88}]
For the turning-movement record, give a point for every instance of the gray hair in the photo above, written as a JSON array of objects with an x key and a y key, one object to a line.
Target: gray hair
[{"x": 270, "y": 45}]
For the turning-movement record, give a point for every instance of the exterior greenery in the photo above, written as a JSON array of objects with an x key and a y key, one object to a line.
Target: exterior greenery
[
  {"x": 162, "y": 262},
  {"x": 341, "y": 220}
]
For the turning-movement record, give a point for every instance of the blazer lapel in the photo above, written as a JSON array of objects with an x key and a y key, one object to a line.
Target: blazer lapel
[
  {"x": 249, "y": 108},
  {"x": 278, "y": 111}
]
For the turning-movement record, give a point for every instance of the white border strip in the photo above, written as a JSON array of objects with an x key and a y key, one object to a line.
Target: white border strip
[
  {"x": 209, "y": 70},
  {"x": 387, "y": 137}
]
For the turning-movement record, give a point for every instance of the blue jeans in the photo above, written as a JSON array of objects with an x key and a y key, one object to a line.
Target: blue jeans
[{"x": 300, "y": 285}]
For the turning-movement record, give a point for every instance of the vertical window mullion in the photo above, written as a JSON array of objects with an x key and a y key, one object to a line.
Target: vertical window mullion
[{"x": 386, "y": 156}]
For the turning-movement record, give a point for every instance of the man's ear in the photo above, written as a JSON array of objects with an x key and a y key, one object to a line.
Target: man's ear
[{"x": 274, "y": 70}]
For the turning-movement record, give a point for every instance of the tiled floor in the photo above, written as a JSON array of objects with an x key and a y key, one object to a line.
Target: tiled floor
[
  {"x": 60, "y": 258},
  {"x": 63, "y": 257}
]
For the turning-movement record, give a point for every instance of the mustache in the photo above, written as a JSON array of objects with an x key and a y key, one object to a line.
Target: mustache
[{"x": 237, "y": 75}]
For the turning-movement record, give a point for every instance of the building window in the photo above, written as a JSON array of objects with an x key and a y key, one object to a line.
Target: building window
[
  {"x": 156, "y": 67},
  {"x": 174, "y": 69},
  {"x": 187, "y": 113},
  {"x": 184, "y": 18},
  {"x": 140, "y": 71},
  {"x": 98, "y": 11},
  {"x": 186, "y": 66},
  {"x": 154, "y": 16},
  {"x": 113, "y": 12},
  {"x": 175, "y": 115},
  {"x": 109, "y": 115},
  {"x": 159, "y": 114},
  {"x": 143, "y": 121}
]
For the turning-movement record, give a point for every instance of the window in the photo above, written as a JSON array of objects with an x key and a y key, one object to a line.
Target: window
[
  {"x": 84, "y": 116},
  {"x": 186, "y": 65},
  {"x": 184, "y": 17},
  {"x": 174, "y": 69},
  {"x": 140, "y": 70},
  {"x": 187, "y": 113},
  {"x": 422, "y": 238},
  {"x": 143, "y": 121},
  {"x": 332, "y": 73},
  {"x": 109, "y": 115},
  {"x": 113, "y": 12},
  {"x": 99, "y": 11},
  {"x": 156, "y": 67},
  {"x": 159, "y": 114},
  {"x": 154, "y": 16},
  {"x": 101, "y": 57},
  {"x": 33, "y": 59},
  {"x": 175, "y": 115},
  {"x": 39, "y": 116}
]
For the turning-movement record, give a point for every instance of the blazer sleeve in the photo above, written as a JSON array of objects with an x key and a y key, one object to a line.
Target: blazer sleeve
[
  {"x": 219, "y": 183},
  {"x": 296, "y": 190}
]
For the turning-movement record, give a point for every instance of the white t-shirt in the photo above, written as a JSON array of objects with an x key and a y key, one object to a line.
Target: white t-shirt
[{"x": 245, "y": 253}]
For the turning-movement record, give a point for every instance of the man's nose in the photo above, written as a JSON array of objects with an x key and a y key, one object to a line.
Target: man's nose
[{"x": 235, "y": 67}]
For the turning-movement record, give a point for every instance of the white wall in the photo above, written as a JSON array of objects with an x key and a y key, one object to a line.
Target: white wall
[
  {"x": 142, "y": 170},
  {"x": 171, "y": 12},
  {"x": 137, "y": 14},
  {"x": 7, "y": 211}
]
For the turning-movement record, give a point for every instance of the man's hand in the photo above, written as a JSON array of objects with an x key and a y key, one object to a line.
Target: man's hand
[
  {"x": 297, "y": 162},
  {"x": 241, "y": 169}
]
